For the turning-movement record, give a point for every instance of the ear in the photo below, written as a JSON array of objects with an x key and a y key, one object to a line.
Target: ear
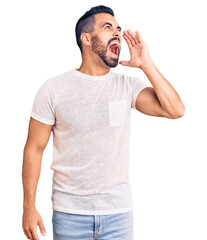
[{"x": 85, "y": 39}]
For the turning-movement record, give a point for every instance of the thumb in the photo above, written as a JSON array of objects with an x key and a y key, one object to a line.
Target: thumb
[
  {"x": 42, "y": 228},
  {"x": 124, "y": 63}
]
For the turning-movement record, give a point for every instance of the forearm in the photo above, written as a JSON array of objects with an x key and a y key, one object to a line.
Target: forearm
[
  {"x": 167, "y": 95},
  {"x": 30, "y": 175}
]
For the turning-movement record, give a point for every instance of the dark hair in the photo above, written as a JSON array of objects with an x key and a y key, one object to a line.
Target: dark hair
[{"x": 86, "y": 22}]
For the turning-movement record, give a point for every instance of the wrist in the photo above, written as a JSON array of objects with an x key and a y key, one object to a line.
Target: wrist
[
  {"x": 149, "y": 64},
  {"x": 29, "y": 208},
  {"x": 28, "y": 205}
]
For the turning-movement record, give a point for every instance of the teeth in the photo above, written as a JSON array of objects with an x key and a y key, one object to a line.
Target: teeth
[{"x": 115, "y": 43}]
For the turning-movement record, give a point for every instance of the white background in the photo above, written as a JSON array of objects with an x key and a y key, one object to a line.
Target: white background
[{"x": 168, "y": 156}]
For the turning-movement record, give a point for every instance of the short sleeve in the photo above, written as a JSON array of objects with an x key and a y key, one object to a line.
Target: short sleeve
[
  {"x": 137, "y": 85},
  {"x": 43, "y": 105}
]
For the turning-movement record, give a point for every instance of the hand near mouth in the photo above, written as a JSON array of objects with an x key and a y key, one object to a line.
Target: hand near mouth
[{"x": 139, "y": 54}]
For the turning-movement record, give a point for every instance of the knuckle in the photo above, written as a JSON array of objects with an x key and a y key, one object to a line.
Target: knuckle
[
  {"x": 26, "y": 229},
  {"x": 32, "y": 228}
]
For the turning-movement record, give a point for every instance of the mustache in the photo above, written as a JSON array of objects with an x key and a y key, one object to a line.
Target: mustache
[{"x": 113, "y": 39}]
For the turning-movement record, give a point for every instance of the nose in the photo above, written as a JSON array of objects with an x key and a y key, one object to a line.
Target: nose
[{"x": 117, "y": 33}]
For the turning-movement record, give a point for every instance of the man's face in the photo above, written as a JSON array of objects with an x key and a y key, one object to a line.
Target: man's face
[{"x": 106, "y": 33}]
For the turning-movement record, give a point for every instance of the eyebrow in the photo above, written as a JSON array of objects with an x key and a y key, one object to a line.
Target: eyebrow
[{"x": 111, "y": 25}]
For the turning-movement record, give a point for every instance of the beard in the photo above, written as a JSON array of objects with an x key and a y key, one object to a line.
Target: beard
[{"x": 100, "y": 49}]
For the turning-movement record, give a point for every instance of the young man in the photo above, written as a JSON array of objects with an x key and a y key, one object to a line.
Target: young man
[{"x": 88, "y": 110}]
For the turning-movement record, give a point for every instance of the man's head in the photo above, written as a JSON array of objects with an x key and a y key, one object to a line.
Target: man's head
[{"x": 96, "y": 30}]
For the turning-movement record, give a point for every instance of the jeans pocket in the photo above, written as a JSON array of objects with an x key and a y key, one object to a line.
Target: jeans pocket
[{"x": 117, "y": 112}]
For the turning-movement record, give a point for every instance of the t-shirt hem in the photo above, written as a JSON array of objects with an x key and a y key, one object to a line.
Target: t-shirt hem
[
  {"x": 137, "y": 93},
  {"x": 75, "y": 211},
  {"x": 40, "y": 119}
]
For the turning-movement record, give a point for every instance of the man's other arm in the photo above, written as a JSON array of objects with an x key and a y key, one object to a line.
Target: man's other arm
[{"x": 37, "y": 139}]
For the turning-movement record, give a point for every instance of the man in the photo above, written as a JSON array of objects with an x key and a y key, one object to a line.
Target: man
[{"x": 88, "y": 110}]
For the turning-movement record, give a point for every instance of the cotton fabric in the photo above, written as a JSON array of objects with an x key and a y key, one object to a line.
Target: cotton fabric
[{"x": 91, "y": 134}]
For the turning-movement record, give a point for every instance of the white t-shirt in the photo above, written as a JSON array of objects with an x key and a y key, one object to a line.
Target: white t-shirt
[{"x": 91, "y": 132}]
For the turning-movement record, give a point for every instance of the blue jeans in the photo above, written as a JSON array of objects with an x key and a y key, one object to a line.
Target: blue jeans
[{"x": 69, "y": 226}]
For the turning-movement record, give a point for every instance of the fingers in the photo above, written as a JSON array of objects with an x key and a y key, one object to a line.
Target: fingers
[
  {"x": 28, "y": 235},
  {"x": 139, "y": 38},
  {"x": 31, "y": 233},
  {"x": 127, "y": 40},
  {"x": 42, "y": 227},
  {"x": 124, "y": 63},
  {"x": 132, "y": 38},
  {"x": 30, "y": 220},
  {"x": 34, "y": 234}
]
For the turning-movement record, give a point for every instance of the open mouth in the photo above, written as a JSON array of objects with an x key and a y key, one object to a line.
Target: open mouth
[{"x": 114, "y": 48}]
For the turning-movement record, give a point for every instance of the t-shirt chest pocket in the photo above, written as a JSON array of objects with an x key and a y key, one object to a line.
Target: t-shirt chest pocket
[{"x": 117, "y": 112}]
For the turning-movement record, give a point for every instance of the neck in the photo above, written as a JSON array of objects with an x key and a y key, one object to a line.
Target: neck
[{"x": 93, "y": 65}]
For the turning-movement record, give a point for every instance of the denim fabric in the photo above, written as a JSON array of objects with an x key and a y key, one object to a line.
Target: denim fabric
[{"x": 69, "y": 226}]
